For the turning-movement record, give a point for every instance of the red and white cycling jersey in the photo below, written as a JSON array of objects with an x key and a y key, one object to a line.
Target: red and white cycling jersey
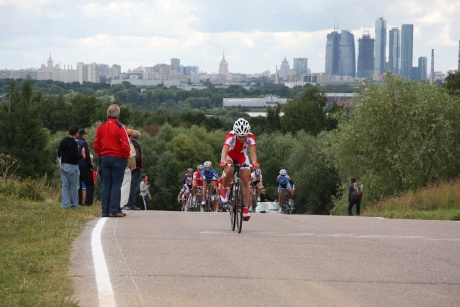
[
  {"x": 238, "y": 150},
  {"x": 198, "y": 178}
]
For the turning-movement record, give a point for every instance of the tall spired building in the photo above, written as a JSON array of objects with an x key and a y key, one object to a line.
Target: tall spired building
[
  {"x": 380, "y": 46},
  {"x": 394, "y": 56},
  {"x": 223, "y": 66},
  {"x": 407, "y": 43}
]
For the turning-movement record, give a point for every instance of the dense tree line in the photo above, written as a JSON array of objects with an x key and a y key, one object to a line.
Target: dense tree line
[{"x": 401, "y": 136}]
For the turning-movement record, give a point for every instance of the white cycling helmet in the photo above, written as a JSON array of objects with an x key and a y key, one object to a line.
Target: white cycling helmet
[
  {"x": 283, "y": 172},
  {"x": 207, "y": 164},
  {"x": 241, "y": 127},
  {"x": 199, "y": 167}
]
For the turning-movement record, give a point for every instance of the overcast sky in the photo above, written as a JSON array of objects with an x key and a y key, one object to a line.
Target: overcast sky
[{"x": 255, "y": 35}]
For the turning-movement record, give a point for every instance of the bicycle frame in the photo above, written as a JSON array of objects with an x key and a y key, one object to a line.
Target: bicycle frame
[{"x": 236, "y": 198}]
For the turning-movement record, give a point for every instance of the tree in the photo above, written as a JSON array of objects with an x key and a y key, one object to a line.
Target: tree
[
  {"x": 452, "y": 83},
  {"x": 402, "y": 135},
  {"x": 305, "y": 112},
  {"x": 22, "y": 134}
]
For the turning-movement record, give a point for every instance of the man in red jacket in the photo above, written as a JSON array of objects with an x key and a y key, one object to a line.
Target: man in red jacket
[{"x": 112, "y": 145}]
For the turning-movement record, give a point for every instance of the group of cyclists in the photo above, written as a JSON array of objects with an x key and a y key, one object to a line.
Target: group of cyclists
[{"x": 237, "y": 144}]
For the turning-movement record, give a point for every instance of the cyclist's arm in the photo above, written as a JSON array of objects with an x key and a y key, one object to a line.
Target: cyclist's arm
[
  {"x": 223, "y": 156},
  {"x": 253, "y": 153}
]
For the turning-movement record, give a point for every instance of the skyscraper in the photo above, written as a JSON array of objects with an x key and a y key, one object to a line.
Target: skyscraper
[
  {"x": 301, "y": 65},
  {"x": 365, "y": 56},
  {"x": 380, "y": 46},
  {"x": 394, "y": 56},
  {"x": 407, "y": 42},
  {"x": 423, "y": 68},
  {"x": 347, "y": 62},
  {"x": 332, "y": 53}
]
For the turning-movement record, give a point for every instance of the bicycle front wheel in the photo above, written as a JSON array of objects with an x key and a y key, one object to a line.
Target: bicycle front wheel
[{"x": 239, "y": 204}]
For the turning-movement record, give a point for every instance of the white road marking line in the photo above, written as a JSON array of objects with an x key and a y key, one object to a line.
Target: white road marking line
[{"x": 104, "y": 286}]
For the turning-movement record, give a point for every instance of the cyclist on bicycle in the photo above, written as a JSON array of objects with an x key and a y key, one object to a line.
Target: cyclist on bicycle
[
  {"x": 283, "y": 181},
  {"x": 187, "y": 180},
  {"x": 197, "y": 180},
  {"x": 208, "y": 173},
  {"x": 236, "y": 143},
  {"x": 256, "y": 182},
  {"x": 181, "y": 197}
]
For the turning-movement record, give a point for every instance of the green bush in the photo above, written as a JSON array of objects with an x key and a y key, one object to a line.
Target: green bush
[{"x": 31, "y": 189}]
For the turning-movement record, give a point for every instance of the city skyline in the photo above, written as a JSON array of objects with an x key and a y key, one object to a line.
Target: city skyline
[{"x": 255, "y": 39}]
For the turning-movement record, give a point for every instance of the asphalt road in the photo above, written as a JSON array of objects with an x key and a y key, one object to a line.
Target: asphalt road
[{"x": 156, "y": 258}]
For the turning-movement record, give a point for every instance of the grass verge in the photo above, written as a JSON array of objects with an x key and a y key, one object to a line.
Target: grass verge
[
  {"x": 35, "y": 250},
  {"x": 440, "y": 201}
]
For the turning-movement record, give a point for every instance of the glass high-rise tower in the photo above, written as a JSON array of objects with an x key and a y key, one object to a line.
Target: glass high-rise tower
[
  {"x": 301, "y": 65},
  {"x": 365, "y": 56},
  {"x": 332, "y": 53},
  {"x": 394, "y": 56},
  {"x": 347, "y": 54},
  {"x": 380, "y": 46},
  {"x": 407, "y": 43}
]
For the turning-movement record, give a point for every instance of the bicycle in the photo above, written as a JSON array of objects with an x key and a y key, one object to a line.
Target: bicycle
[
  {"x": 254, "y": 198},
  {"x": 197, "y": 203},
  {"x": 209, "y": 205},
  {"x": 236, "y": 199},
  {"x": 285, "y": 203}
]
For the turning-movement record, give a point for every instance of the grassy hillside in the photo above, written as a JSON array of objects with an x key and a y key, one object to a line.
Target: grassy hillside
[{"x": 439, "y": 201}]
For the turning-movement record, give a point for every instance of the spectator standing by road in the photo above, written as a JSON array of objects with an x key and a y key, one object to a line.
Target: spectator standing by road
[
  {"x": 145, "y": 193},
  {"x": 86, "y": 171},
  {"x": 135, "y": 173},
  {"x": 126, "y": 185},
  {"x": 112, "y": 145},
  {"x": 354, "y": 196},
  {"x": 70, "y": 173}
]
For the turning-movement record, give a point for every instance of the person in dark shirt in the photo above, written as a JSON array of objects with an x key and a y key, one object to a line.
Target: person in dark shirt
[
  {"x": 70, "y": 173},
  {"x": 86, "y": 170},
  {"x": 264, "y": 196}
]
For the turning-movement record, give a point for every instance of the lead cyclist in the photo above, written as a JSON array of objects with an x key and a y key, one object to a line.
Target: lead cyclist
[{"x": 236, "y": 143}]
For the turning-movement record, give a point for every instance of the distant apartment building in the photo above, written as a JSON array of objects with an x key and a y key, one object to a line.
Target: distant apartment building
[
  {"x": 394, "y": 56},
  {"x": 19, "y": 74},
  {"x": 175, "y": 65},
  {"x": 88, "y": 72},
  {"x": 254, "y": 103},
  {"x": 365, "y": 56}
]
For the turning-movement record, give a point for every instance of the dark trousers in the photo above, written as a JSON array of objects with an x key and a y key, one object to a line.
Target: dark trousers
[
  {"x": 355, "y": 200},
  {"x": 113, "y": 169},
  {"x": 135, "y": 182},
  {"x": 86, "y": 175}
]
